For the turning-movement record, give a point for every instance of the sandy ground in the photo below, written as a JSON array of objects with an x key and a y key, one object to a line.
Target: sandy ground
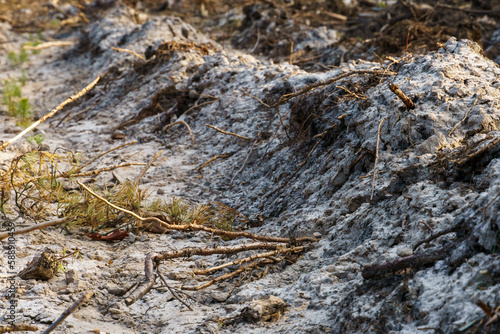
[{"x": 428, "y": 181}]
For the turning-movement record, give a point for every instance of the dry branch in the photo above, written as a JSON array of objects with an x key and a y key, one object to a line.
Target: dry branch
[
  {"x": 196, "y": 227},
  {"x": 148, "y": 166},
  {"x": 107, "y": 169},
  {"x": 83, "y": 299},
  {"x": 414, "y": 261},
  {"x": 4, "y": 235},
  {"x": 103, "y": 154},
  {"x": 248, "y": 259},
  {"x": 156, "y": 258},
  {"x": 229, "y": 275},
  {"x": 228, "y": 133},
  {"x": 466, "y": 114},
  {"x": 209, "y": 161},
  {"x": 51, "y": 113},
  {"x": 315, "y": 85},
  {"x": 171, "y": 290},
  {"x": 129, "y": 51},
  {"x": 183, "y": 123},
  {"x": 48, "y": 45}
]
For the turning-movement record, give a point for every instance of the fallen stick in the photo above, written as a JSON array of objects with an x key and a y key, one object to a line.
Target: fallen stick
[
  {"x": 51, "y": 113},
  {"x": 312, "y": 86},
  {"x": 414, "y": 261},
  {"x": 228, "y": 133},
  {"x": 84, "y": 298},
  {"x": 4, "y": 235},
  {"x": 145, "y": 169},
  {"x": 154, "y": 258},
  {"x": 183, "y": 123},
  {"x": 107, "y": 169},
  {"x": 220, "y": 156},
  {"x": 103, "y": 154},
  {"x": 196, "y": 227},
  {"x": 129, "y": 51},
  {"x": 48, "y": 45}
]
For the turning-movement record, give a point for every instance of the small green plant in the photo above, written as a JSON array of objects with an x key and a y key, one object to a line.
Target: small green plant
[
  {"x": 17, "y": 59},
  {"x": 11, "y": 94},
  {"x": 16, "y": 105},
  {"x": 55, "y": 23},
  {"x": 38, "y": 139}
]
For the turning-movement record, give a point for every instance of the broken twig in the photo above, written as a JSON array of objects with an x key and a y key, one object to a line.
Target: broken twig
[
  {"x": 228, "y": 133},
  {"x": 376, "y": 157},
  {"x": 183, "y": 123},
  {"x": 51, "y": 113},
  {"x": 83, "y": 299},
  {"x": 4, "y": 235}
]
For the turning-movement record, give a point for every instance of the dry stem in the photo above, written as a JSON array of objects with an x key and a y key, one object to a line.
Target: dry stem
[
  {"x": 145, "y": 169},
  {"x": 51, "y": 113},
  {"x": 129, "y": 51},
  {"x": 376, "y": 157},
  {"x": 183, "y": 123},
  {"x": 466, "y": 114},
  {"x": 196, "y": 227},
  {"x": 48, "y": 45},
  {"x": 228, "y": 133},
  {"x": 84, "y": 298},
  {"x": 250, "y": 258},
  {"x": 4, "y": 235},
  {"x": 221, "y": 156},
  {"x": 315, "y": 85},
  {"x": 107, "y": 169}
]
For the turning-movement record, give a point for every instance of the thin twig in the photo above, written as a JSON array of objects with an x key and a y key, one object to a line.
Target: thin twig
[
  {"x": 253, "y": 97},
  {"x": 148, "y": 166},
  {"x": 183, "y": 123},
  {"x": 466, "y": 114},
  {"x": 48, "y": 45},
  {"x": 228, "y": 275},
  {"x": 131, "y": 52},
  {"x": 228, "y": 133},
  {"x": 83, "y": 299},
  {"x": 248, "y": 259},
  {"x": 51, "y": 113},
  {"x": 107, "y": 169},
  {"x": 4, "y": 235},
  {"x": 170, "y": 289},
  {"x": 315, "y": 85},
  {"x": 67, "y": 119},
  {"x": 296, "y": 170},
  {"x": 376, "y": 156},
  {"x": 244, "y": 162},
  {"x": 220, "y": 156},
  {"x": 103, "y": 154},
  {"x": 200, "y": 105}
]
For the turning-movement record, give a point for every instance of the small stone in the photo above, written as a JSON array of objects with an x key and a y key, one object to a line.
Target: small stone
[
  {"x": 220, "y": 297},
  {"x": 71, "y": 276},
  {"x": 404, "y": 252},
  {"x": 268, "y": 309},
  {"x": 317, "y": 235}
]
